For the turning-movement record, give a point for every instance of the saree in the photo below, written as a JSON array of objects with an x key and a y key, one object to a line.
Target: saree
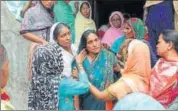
[
  {"x": 47, "y": 66},
  {"x": 136, "y": 73},
  {"x": 139, "y": 33},
  {"x": 113, "y": 33},
  {"x": 164, "y": 81},
  {"x": 63, "y": 13},
  {"x": 100, "y": 73},
  {"x": 135, "y": 101},
  {"x": 37, "y": 25},
  {"x": 82, "y": 24}
]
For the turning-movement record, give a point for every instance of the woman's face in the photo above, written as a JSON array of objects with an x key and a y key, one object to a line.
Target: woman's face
[
  {"x": 116, "y": 21},
  {"x": 48, "y": 3},
  {"x": 85, "y": 10},
  {"x": 93, "y": 44},
  {"x": 64, "y": 38},
  {"x": 128, "y": 31},
  {"x": 162, "y": 46}
]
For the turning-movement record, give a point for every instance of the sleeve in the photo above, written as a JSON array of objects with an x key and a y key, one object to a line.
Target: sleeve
[
  {"x": 70, "y": 87},
  {"x": 115, "y": 47},
  {"x": 27, "y": 23}
]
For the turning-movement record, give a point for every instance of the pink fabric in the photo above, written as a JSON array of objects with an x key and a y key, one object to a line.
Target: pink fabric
[
  {"x": 163, "y": 81},
  {"x": 113, "y": 33}
]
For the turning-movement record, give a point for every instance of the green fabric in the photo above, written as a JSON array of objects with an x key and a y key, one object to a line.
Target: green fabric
[
  {"x": 63, "y": 13},
  {"x": 138, "y": 28}
]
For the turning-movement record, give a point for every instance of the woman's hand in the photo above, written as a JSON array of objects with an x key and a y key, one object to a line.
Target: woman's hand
[
  {"x": 105, "y": 46},
  {"x": 75, "y": 72},
  {"x": 81, "y": 56}
]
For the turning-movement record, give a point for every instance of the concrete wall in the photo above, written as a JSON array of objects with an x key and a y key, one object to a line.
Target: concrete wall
[{"x": 17, "y": 49}]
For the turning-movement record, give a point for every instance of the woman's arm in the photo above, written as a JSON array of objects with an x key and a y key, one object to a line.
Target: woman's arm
[
  {"x": 34, "y": 38},
  {"x": 101, "y": 95},
  {"x": 5, "y": 74}
]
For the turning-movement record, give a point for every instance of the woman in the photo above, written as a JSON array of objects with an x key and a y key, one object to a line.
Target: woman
[
  {"x": 52, "y": 86},
  {"x": 36, "y": 28},
  {"x": 98, "y": 64},
  {"x": 135, "y": 75},
  {"x": 133, "y": 28},
  {"x": 116, "y": 20},
  {"x": 158, "y": 11},
  {"x": 63, "y": 13},
  {"x": 83, "y": 21},
  {"x": 4, "y": 71},
  {"x": 164, "y": 75}
]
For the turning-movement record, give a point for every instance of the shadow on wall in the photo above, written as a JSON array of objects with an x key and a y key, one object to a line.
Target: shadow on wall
[{"x": 17, "y": 50}]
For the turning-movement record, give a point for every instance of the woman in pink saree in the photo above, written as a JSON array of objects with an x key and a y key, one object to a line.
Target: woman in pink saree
[{"x": 164, "y": 76}]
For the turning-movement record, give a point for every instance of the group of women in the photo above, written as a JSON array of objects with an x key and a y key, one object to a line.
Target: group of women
[{"x": 60, "y": 71}]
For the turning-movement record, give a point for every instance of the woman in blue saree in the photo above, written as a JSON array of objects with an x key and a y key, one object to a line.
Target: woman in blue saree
[{"x": 99, "y": 65}]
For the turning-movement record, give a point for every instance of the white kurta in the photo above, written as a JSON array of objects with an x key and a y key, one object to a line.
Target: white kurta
[{"x": 68, "y": 58}]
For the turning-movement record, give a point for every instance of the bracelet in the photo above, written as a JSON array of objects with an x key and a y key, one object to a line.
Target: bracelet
[{"x": 80, "y": 66}]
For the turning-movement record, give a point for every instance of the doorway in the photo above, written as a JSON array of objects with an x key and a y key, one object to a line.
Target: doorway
[{"x": 103, "y": 8}]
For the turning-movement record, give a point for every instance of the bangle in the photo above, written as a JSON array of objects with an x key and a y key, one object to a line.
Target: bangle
[{"x": 80, "y": 66}]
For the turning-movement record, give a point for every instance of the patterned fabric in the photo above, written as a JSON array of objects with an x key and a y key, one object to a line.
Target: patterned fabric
[
  {"x": 47, "y": 66},
  {"x": 100, "y": 72},
  {"x": 163, "y": 81},
  {"x": 113, "y": 33}
]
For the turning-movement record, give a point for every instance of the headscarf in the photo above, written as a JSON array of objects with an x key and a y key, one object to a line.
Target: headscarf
[
  {"x": 164, "y": 81},
  {"x": 113, "y": 33},
  {"x": 82, "y": 24},
  {"x": 47, "y": 66},
  {"x": 138, "y": 28},
  {"x": 138, "y": 64},
  {"x": 51, "y": 39}
]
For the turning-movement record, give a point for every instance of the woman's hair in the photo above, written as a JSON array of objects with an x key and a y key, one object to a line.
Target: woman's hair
[
  {"x": 83, "y": 40},
  {"x": 57, "y": 30},
  {"x": 83, "y": 4},
  {"x": 171, "y": 36},
  {"x": 126, "y": 16}
]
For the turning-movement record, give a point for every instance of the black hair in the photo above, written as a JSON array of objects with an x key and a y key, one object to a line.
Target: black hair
[
  {"x": 171, "y": 36},
  {"x": 126, "y": 16},
  {"x": 83, "y": 40},
  {"x": 57, "y": 30}
]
